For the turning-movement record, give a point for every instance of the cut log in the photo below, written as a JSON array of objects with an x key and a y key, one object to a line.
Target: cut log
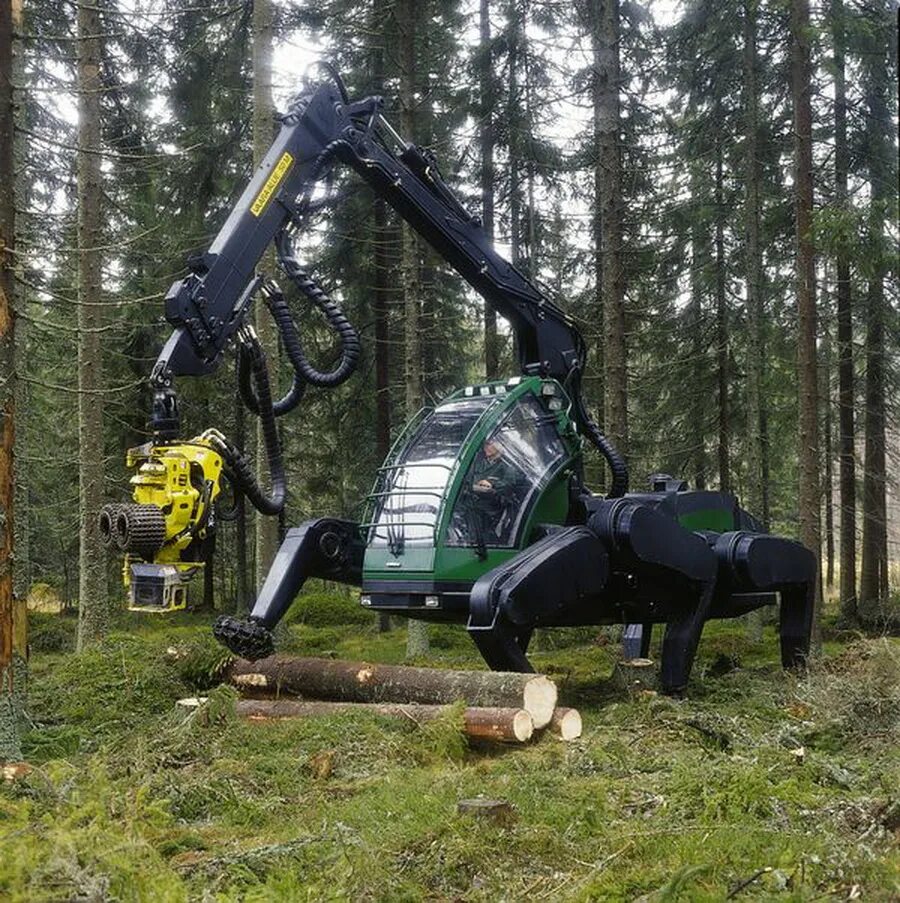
[
  {"x": 636, "y": 676},
  {"x": 506, "y": 725},
  {"x": 361, "y": 682},
  {"x": 565, "y": 724}
]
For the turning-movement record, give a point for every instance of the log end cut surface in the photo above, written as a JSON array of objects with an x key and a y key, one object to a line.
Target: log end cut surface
[
  {"x": 566, "y": 724},
  {"x": 540, "y": 700}
]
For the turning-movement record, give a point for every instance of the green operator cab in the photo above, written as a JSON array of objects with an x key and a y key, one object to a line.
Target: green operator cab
[{"x": 468, "y": 485}]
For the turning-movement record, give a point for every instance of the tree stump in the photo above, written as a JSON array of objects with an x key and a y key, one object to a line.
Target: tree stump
[
  {"x": 500, "y": 812},
  {"x": 636, "y": 676}
]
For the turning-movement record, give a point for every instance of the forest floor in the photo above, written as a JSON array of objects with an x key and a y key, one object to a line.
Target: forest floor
[{"x": 758, "y": 785}]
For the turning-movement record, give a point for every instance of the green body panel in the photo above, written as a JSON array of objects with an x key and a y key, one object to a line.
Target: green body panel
[
  {"x": 716, "y": 519},
  {"x": 442, "y": 560}
]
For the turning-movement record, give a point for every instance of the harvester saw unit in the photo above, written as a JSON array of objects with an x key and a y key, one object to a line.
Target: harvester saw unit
[{"x": 480, "y": 515}]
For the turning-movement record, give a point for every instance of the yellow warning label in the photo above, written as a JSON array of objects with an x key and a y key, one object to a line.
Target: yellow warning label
[{"x": 272, "y": 183}]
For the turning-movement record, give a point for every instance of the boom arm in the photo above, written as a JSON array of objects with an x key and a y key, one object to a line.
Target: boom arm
[{"x": 210, "y": 305}]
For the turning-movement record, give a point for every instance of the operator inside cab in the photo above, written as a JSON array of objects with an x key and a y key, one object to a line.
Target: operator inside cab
[
  {"x": 492, "y": 477},
  {"x": 493, "y": 485}
]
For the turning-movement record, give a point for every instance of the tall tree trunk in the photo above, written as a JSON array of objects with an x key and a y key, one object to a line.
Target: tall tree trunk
[
  {"x": 93, "y": 608},
  {"x": 757, "y": 477},
  {"x": 263, "y": 130},
  {"x": 698, "y": 399},
  {"x": 723, "y": 420},
  {"x": 382, "y": 293},
  {"x": 810, "y": 483},
  {"x": 514, "y": 126},
  {"x": 755, "y": 500},
  {"x": 606, "y": 58},
  {"x": 22, "y": 562},
  {"x": 486, "y": 141},
  {"x": 828, "y": 487},
  {"x": 406, "y": 12},
  {"x": 873, "y": 584},
  {"x": 243, "y": 578},
  {"x": 381, "y": 260},
  {"x": 530, "y": 215},
  {"x": 597, "y": 314},
  {"x": 846, "y": 426},
  {"x": 10, "y": 751}
]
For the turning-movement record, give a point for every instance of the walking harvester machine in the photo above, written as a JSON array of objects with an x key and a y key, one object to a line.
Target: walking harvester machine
[{"x": 480, "y": 514}]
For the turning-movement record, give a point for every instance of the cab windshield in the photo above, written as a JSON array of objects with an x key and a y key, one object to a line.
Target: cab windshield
[
  {"x": 411, "y": 489},
  {"x": 508, "y": 473}
]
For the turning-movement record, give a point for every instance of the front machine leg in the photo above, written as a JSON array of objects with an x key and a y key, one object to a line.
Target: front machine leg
[{"x": 327, "y": 548}]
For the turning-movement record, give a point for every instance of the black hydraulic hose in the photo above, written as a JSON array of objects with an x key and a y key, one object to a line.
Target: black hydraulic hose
[
  {"x": 290, "y": 400},
  {"x": 239, "y": 467},
  {"x": 616, "y": 462},
  {"x": 349, "y": 338}
]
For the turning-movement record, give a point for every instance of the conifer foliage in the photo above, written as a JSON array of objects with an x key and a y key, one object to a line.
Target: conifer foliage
[{"x": 711, "y": 193}]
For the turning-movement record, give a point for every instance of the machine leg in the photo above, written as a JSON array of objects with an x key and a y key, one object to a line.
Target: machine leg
[
  {"x": 680, "y": 644},
  {"x": 797, "y": 605},
  {"x": 502, "y": 645},
  {"x": 325, "y": 547}
]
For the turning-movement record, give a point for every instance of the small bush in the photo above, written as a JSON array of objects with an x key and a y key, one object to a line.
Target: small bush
[
  {"x": 51, "y": 632},
  {"x": 327, "y": 609}
]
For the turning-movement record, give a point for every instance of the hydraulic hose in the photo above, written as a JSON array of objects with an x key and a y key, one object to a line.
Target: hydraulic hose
[
  {"x": 239, "y": 466},
  {"x": 284, "y": 405},
  {"x": 349, "y": 338},
  {"x": 617, "y": 465}
]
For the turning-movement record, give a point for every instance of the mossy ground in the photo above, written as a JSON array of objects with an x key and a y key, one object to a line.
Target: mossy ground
[{"x": 662, "y": 799}]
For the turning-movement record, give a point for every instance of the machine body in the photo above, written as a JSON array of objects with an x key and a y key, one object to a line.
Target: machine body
[{"x": 481, "y": 514}]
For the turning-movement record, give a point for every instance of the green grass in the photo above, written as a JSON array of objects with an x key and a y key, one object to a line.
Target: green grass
[{"x": 661, "y": 799}]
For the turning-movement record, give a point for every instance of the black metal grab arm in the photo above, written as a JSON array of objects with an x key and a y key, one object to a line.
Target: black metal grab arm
[{"x": 208, "y": 307}]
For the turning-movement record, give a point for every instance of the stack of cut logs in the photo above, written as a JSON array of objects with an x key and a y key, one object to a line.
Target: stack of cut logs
[{"x": 500, "y": 706}]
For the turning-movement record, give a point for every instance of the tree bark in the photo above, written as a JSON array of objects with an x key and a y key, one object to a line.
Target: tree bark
[
  {"x": 263, "y": 130},
  {"x": 93, "y": 608},
  {"x": 381, "y": 260},
  {"x": 882, "y": 165},
  {"x": 331, "y": 679},
  {"x": 406, "y": 12},
  {"x": 607, "y": 122},
  {"x": 698, "y": 398},
  {"x": 23, "y": 194},
  {"x": 243, "y": 577},
  {"x": 724, "y": 415},
  {"x": 486, "y": 141},
  {"x": 828, "y": 488},
  {"x": 597, "y": 318},
  {"x": 514, "y": 127},
  {"x": 846, "y": 425},
  {"x": 753, "y": 274},
  {"x": 10, "y": 750},
  {"x": 479, "y": 723},
  {"x": 810, "y": 482}
]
